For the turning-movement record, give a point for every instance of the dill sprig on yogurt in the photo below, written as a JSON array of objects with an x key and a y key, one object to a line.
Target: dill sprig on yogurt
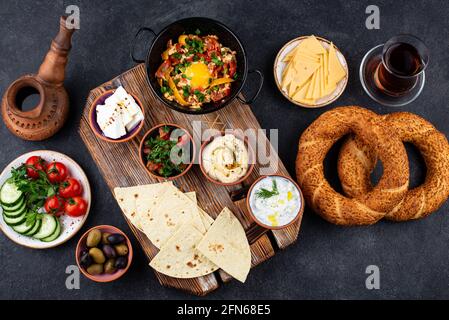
[{"x": 265, "y": 193}]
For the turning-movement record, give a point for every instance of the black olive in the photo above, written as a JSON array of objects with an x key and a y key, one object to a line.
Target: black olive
[
  {"x": 121, "y": 262},
  {"x": 85, "y": 260},
  {"x": 109, "y": 251},
  {"x": 116, "y": 238}
]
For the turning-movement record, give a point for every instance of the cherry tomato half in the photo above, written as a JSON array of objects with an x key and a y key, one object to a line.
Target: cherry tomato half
[
  {"x": 54, "y": 205},
  {"x": 34, "y": 164},
  {"x": 76, "y": 207},
  {"x": 56, "y": 172},
  {"x": 153, "y": 166},
  {"x": 70, "y": 188},
  {"x": 183, "y": 140},
  {"x": 164, "y": 133}
]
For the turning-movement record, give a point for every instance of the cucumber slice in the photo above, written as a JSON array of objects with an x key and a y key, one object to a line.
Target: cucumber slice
[
  {"x": 48, "y": 227},
  {"x": 15, "y": 213},
  {"x": 15, "y": 207},
  {"x": 9, "y": 194},
  {"x": 16, "y": 220},
  {"x": 23, "y": 228},
  {"x": 36, "y": 228},
  {"x": 55, "y": 234}
]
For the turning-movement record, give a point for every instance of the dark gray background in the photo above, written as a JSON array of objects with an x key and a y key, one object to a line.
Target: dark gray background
[{"x": 327, "y": 261}]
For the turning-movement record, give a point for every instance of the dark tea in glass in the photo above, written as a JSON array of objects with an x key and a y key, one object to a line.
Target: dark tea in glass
[
  {"x": 393, "y": 73},
  {"x": 404, "y": 57}
]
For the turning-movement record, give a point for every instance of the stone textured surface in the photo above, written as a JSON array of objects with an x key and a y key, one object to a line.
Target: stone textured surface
[{"x": 328, "y": 261}]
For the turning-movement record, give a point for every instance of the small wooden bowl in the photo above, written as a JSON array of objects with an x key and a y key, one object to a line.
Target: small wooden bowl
[
  {"x": 153, "y": 131},
  {"x": 96, "y": 128},
  {"x": 251, "y": 159},
  {"x": 103, "y": 277},
  {"x": 279, "y": 67},
  {"x": 257, "y": 221}
]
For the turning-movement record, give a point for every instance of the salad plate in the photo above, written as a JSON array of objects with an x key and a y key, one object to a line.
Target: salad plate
[{"x": 68, "y": 225}]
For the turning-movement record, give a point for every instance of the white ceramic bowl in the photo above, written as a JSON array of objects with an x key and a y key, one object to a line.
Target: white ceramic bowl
[
  {"x": 70, "y": 226},
  {"x": 279, "y": 67}
]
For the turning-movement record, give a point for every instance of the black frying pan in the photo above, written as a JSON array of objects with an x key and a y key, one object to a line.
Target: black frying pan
[{"x": 189, "y": 26}]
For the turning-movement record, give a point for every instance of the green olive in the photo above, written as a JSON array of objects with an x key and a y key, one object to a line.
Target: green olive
[
  {"x": 93, "y": 238},
  {"x": 121, "y": 249},
  {"x": 95, "y": 269},
  {"x": 104, "y": 238},
  {"x": 97, "y": 255},
  {"x": 109, "y": 266}
]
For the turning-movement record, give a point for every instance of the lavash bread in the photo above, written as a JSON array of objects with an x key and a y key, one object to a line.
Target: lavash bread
[
  {"x": 226, "y": 245},
  {"x": 179, "y": 257}
]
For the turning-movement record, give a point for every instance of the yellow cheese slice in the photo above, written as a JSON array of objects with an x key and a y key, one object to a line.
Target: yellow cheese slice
[
  {"x": 292, "y": 88},
  {"x": 301, "y": 93},
  {"x": 304, "y": 100},
  {"x": 322, "y": 75},
  {"x": 312, "y": 58},
  {"x": 304, "y": 70},
  {"x": 311, "y": 45},
  {"x": 305, "y": 66},
  {"x": 325, "y": 68},
  {"x": 336, "y": 70},
  {"x": 329, "y": 86},
  {"x": 317, "y": 88},
  {"x": 329, "y": 89},
  {"x": 309, "y": 94},
  {"x": 304, "y": 87},
  {"x": 288, "y": 75},
  {"x": 288, "y": 57}
]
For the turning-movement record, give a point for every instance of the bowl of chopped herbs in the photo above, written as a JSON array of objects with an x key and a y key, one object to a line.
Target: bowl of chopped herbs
[{"x": 167, "y": 151}]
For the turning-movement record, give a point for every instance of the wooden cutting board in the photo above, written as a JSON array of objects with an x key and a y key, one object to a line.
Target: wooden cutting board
[{"x": 120, "y": 167}]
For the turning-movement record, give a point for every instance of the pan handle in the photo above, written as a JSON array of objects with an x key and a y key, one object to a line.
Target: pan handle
[
  {"x": 261, "y": 78},
  {"x": 135, "y": 41}
]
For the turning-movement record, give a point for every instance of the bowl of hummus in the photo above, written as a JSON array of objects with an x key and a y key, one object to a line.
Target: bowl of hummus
[
  {"x": 275, "y": 202},
  {"x": 226, "y": 159}
]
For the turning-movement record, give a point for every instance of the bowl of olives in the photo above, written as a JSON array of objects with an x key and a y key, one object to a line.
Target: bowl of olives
[{"x": 104, "y": 253}]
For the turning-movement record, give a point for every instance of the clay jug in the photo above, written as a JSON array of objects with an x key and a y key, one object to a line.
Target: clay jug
[{"x": 50, "y": 113}]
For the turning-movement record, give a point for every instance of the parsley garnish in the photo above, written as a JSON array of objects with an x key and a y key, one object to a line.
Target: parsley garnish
[
  {"x": 177, "y": 55},
  {"x": 195, "y": 45},
  {"x": 36, "y": 191},
  {"x": 199, "y": 95},
  {"x": 186, "y": 91},
  {"x": 160, "y": 151},
  {"x": 217, "y": 61}
]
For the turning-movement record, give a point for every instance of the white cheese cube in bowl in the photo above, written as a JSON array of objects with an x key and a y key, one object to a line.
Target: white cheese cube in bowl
[{"x": 116, "y": 116}]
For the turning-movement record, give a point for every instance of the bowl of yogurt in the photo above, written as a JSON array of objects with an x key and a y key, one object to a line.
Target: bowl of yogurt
[{"x": 275, "y": 202}]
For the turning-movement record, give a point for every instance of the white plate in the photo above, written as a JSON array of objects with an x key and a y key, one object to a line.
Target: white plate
[
  {"x": 70, "y": 226},
  {"x": 279, "y": 67}
]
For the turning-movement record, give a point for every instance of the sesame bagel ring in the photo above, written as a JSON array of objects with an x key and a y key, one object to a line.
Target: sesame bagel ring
[
  {"x": 314, "y": 144},
  {"x": 357, "y": 160}
]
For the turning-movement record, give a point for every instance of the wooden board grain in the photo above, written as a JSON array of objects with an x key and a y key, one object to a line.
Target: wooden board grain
[{"x": 120, "y": 167}]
